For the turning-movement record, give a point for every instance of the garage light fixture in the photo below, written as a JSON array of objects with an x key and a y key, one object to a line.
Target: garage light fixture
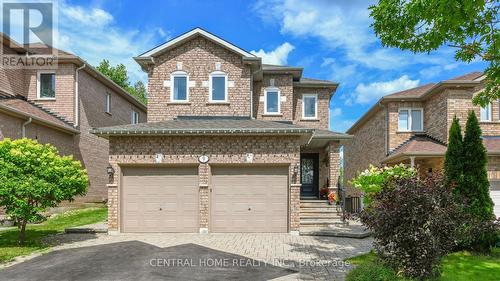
[{"x": 110, "y": 171}]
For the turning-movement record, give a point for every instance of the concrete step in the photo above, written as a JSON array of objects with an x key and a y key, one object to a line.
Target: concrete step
[
  {"x": 316, "y": 205},
  {"x": 319, "y": 221},
  {"x": 335, "y": 230},
  {"x": 318, "y": 210},
  {"x": 319, "y": 216}
]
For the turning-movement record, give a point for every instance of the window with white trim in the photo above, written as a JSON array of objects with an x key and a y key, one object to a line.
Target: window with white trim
[
  {"x": 272, "y": 101},
  {"x": 309, "y": 106},
  {"x": 107, "y": 106},
  {"x": 134, "y": 117},
  {"x": 46, "y": 85},
  {"x": 411, "y": 120},
  {"x": 179, "y": 87},
  {"x": 218, "y": 87},
  {"x": 485, "y": 114}
]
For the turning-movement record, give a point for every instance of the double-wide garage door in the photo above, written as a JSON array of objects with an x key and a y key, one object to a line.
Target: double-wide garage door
[{"x": 242, "y": 199}]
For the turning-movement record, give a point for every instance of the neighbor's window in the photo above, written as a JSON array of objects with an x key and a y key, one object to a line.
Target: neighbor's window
[
  {"x": 410, "y": 120},
  {"x": 179, "y": 87},
  {"x": 309, "y": 106},
  {"x": 218, "y": 87},
  {"x": 486, "y": 113},
  {"x": 135, "y": 117},
  {"x": 107, "y": 106},
  {"x": 272, "y": 101},
  {"x": 46, "y": 85}
]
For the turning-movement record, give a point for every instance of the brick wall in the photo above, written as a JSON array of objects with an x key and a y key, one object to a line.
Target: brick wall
[
  {"x": 366, "y": 147},
  {"x": 285, "y": 85},
  {"x": 395, "y": 136},
  {"x": 11, "y": 80},
  {"x": 223, "y": 149},
  {"x": 198, "y": 57},
  {"x": 65, "y": 88},
  {"x": 435, "y": 117},
  {"x": 92, "y": 150},
  {"x": 324, "y": 96}
]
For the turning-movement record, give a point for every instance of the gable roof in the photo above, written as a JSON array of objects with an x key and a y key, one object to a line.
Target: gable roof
[
  {"x": 419, "y": 93},
  {"x": 190, "y": 34},
  {"x": 20, "y": 107}
]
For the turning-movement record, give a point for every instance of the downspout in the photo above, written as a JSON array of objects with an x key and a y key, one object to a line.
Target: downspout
[
  {"x": 23, "y": 130},
  {"x": 77, "y": 96}
]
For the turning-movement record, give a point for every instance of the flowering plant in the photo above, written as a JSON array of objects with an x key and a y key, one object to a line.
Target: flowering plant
[{"x": 331, "y": 197}]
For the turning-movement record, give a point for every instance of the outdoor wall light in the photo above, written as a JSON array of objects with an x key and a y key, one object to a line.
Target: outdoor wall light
[
  {"x": 110, "y": 171},
  {"x": 296, "y": 169}
]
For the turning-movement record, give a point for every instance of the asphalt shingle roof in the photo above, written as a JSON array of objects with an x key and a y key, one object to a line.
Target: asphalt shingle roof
[{"x": 214, "y": 126}]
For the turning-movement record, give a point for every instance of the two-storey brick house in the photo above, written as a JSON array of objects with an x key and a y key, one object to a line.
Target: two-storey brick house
[
  {"x": 60, "y": 104},
  {"x": 231, "y": 144},
  {"x": 412, "y": 127}
]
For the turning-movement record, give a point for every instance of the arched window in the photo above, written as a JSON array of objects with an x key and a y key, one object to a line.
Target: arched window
[
  {"x": 218, "y": 87},
  {"x": 179, "y": 88}
]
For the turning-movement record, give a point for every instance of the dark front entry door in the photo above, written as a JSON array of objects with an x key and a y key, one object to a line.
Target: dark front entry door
[{"x": 309, "y": 174}]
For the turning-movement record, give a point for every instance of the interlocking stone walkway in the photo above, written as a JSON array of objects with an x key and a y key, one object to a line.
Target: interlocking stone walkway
[{"x": 315, "y": 258}]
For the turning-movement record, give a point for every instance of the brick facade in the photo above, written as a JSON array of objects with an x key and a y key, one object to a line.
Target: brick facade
[
  {"x": 367, "y": 146},
  {"x": 221, "y": 150},
  {"x": 282, "y": 82},
  {"x": 324, "y": 96},
  {"x": 198, "y": 58}
]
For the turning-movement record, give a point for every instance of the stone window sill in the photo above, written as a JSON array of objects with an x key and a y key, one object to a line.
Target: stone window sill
[
  {"x": 272, "y": 115},
  {"x": 489, "y": 122},
  {"x": 218, "y": 103},
  {"x": 45, "y": 99},
  {"x": 309, "y": 120},
  {"x": 411, "y": 132},
  {"x": 178, "y": 103}
]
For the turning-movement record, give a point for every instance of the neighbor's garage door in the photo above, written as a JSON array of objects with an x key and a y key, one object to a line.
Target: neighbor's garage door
[
  {"x": 160, "y": 199},
  {"x": 495, "y": 196},
  {"x": 249, "y": 199}
]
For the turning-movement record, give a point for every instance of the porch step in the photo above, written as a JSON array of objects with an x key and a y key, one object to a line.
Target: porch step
[
  {"x": 319, "y": 204},
  {"x": 320, "y": 215},
  {"x": 318, "y": 210},
  {"x": 319, "y": 221}
]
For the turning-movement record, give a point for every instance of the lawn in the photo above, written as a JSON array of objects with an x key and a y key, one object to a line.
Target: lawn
[
  {"x": 35, "y": 232},
  {"x": 460, "y": 266}
]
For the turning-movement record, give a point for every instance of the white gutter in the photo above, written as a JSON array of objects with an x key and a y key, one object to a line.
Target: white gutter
[
  {"x": 24, "y": 127},
  {"x": 77, "y": 96}
]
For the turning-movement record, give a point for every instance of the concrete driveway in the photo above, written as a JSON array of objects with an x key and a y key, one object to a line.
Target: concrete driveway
[{"x": 190, "y": 257}]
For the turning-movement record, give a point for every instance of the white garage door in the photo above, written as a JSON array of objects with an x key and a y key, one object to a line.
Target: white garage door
[
  {"x": 249, "y": 199},
  {"x": 160, "y": 199}
]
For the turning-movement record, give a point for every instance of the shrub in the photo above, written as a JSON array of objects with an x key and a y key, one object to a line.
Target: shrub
[
  {"x": 454, "y": 158},
  {"x": 34, "y": 177},
  {"x": 474, "y": 188},
  {"x": 414, "y": 223},
  {"x": 374, "y": 178},
  {"x": 372, "y": 271}
]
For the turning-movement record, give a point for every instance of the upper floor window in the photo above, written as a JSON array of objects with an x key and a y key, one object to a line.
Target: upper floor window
[
  {"x": 46, "y": 85},
  {"x": 107, "y": 104},
  {"x": 218, "y": 87},
  {"x": 486, "y": 113},
  {"x": 272, "y": 101},
  {"x": 135, "y": 117},
  {"x": 309, "y": 106},
  {"x": 179, "y": 89},
  {"x": 411, "y": 120}
]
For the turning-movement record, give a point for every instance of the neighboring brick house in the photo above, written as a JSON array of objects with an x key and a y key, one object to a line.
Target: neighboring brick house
[
  {"x": 59, "y": 106},
  {"x": 412, "y": 127},
  {"x": 231, "y": 144}
]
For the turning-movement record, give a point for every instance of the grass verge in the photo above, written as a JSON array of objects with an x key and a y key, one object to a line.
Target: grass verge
[
  {"x": 35, "y": 232},
  {"x": 459, "y": 266}
]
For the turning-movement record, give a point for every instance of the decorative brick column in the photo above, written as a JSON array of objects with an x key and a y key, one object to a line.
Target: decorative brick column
[
  {"x": 295, "y": 195},
  {"x": 334, "y": 160},
  {"x": 113, "y": 197},
  {"x": 204, "y": 174}
]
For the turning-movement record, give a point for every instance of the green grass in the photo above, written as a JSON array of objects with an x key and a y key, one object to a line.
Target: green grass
[
  {"x": 35, "y": 232},
  {"x": 459, "y": 266}
]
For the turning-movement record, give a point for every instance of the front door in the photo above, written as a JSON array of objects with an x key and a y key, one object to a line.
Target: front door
[{"x": 309, "y": 174}]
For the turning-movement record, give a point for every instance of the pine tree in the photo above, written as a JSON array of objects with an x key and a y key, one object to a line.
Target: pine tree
[
  {"x": 474, "y": 187},
  {"x": 454, "y": 158}
]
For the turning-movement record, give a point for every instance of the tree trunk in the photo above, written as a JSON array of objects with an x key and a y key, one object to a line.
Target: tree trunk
[{"x": 22, "y": 232}]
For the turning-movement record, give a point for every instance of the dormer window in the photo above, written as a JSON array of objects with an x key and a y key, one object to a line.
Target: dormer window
[
  {"x": 486, "y": 113},
  {"x": 179, "y": 89},
  {"x": 309, "y": 106},
  {"x": 272, "y": 101},
  {"x": 411, "y": 120},
  {"x": 218, "y": 87}
]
